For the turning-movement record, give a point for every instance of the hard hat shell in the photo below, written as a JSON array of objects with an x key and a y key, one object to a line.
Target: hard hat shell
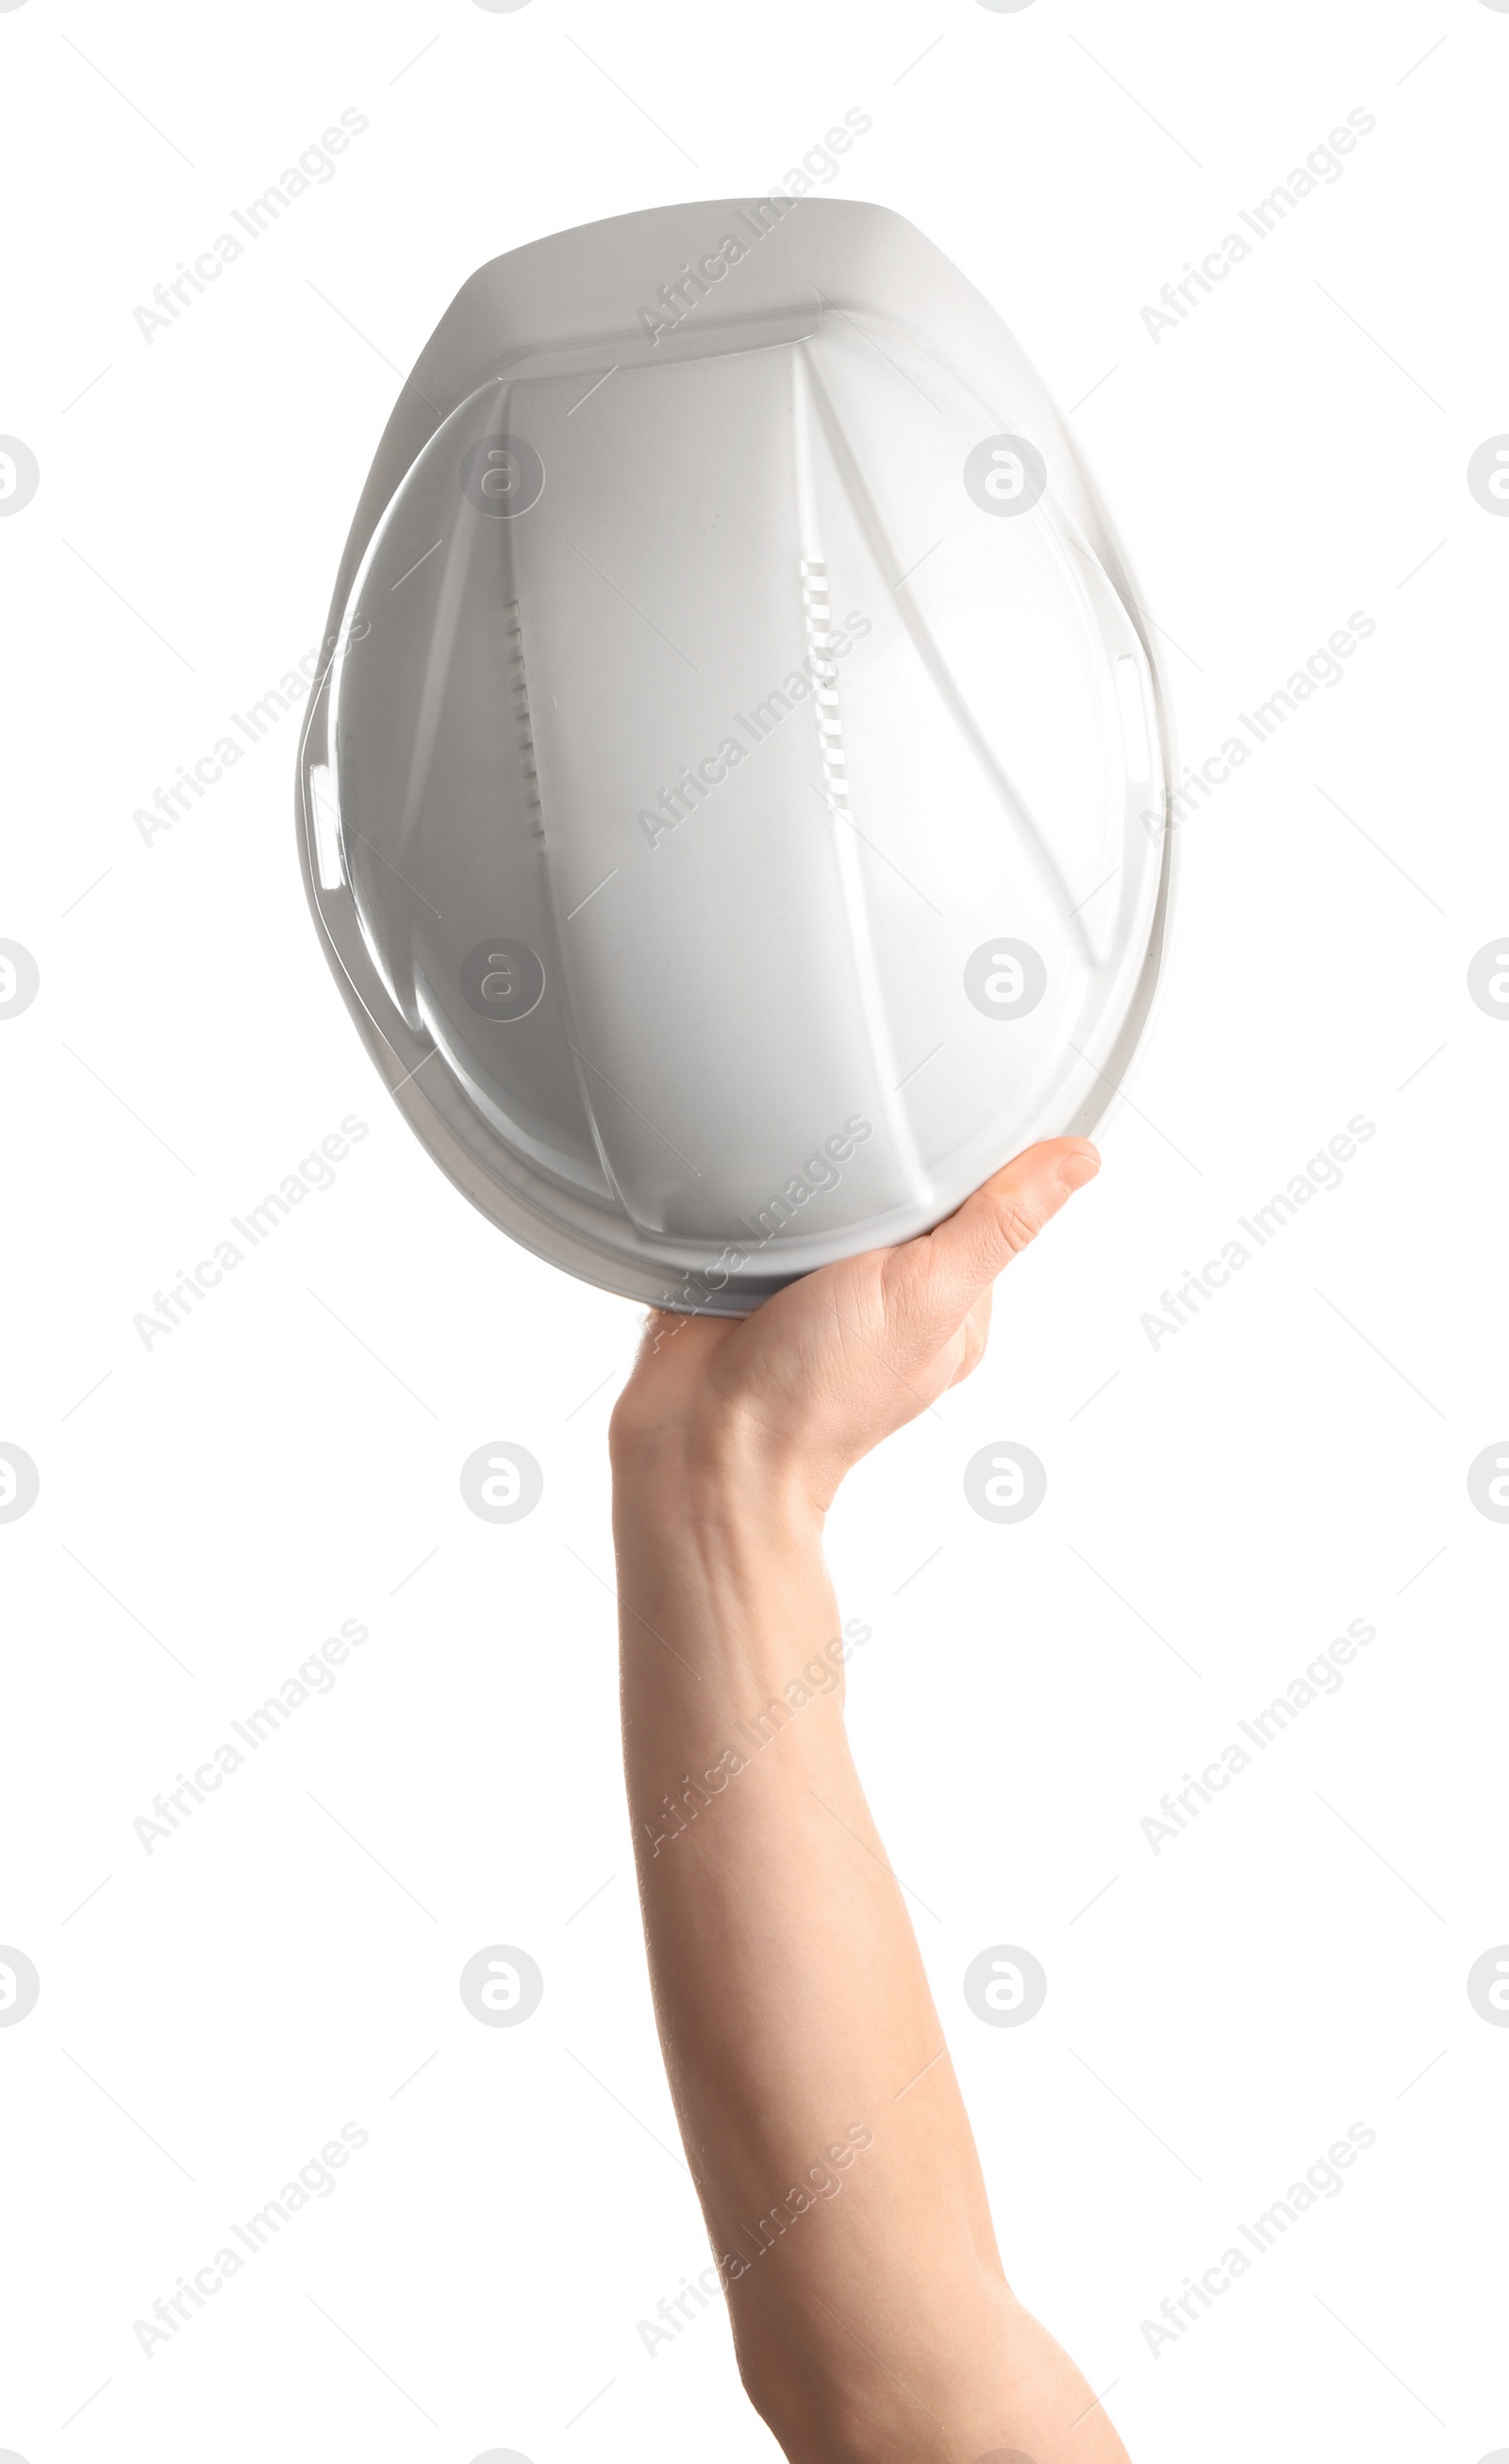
[{"x": 734, "y": 804}]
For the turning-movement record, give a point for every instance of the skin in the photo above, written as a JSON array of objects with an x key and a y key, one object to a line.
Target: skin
[{"x": 821, "y": 2121}]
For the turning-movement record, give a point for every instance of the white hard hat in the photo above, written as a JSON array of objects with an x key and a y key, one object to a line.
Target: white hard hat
[{"x": 734, "y": 804}]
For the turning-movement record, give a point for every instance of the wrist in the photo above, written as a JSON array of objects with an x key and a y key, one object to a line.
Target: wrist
[{"x": 718, "y": 1468}]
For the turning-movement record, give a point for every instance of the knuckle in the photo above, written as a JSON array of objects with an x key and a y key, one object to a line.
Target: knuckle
[{"x": 1017, "y": 1222}]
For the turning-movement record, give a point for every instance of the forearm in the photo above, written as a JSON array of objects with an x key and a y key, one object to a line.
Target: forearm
[{"x": 822, "y": 2119}]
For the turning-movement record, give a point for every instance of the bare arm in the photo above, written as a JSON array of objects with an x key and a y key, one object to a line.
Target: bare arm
[{"x": 820, "y": 2112}]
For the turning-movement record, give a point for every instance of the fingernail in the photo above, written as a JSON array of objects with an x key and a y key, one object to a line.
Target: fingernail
[{"x": 1075, "y": 1169}]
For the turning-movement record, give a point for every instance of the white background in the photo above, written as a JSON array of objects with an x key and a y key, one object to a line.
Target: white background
[{"x": 1296, "y": 1458}]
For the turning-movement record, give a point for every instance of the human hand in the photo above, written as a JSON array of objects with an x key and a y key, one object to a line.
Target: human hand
[{"x": 798, "y": 1392}]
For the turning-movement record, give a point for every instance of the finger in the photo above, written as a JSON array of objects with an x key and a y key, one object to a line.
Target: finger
[{"x": 965, "y": 1254}]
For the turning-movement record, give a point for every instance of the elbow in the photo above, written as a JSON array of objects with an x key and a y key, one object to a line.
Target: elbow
[
  {"x": 816, "y": 2424},
  {"x": 828, "y": 2397}
]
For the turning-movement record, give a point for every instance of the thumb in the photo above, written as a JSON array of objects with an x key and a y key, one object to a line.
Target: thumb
[{"x": 968, "y": 1251}]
